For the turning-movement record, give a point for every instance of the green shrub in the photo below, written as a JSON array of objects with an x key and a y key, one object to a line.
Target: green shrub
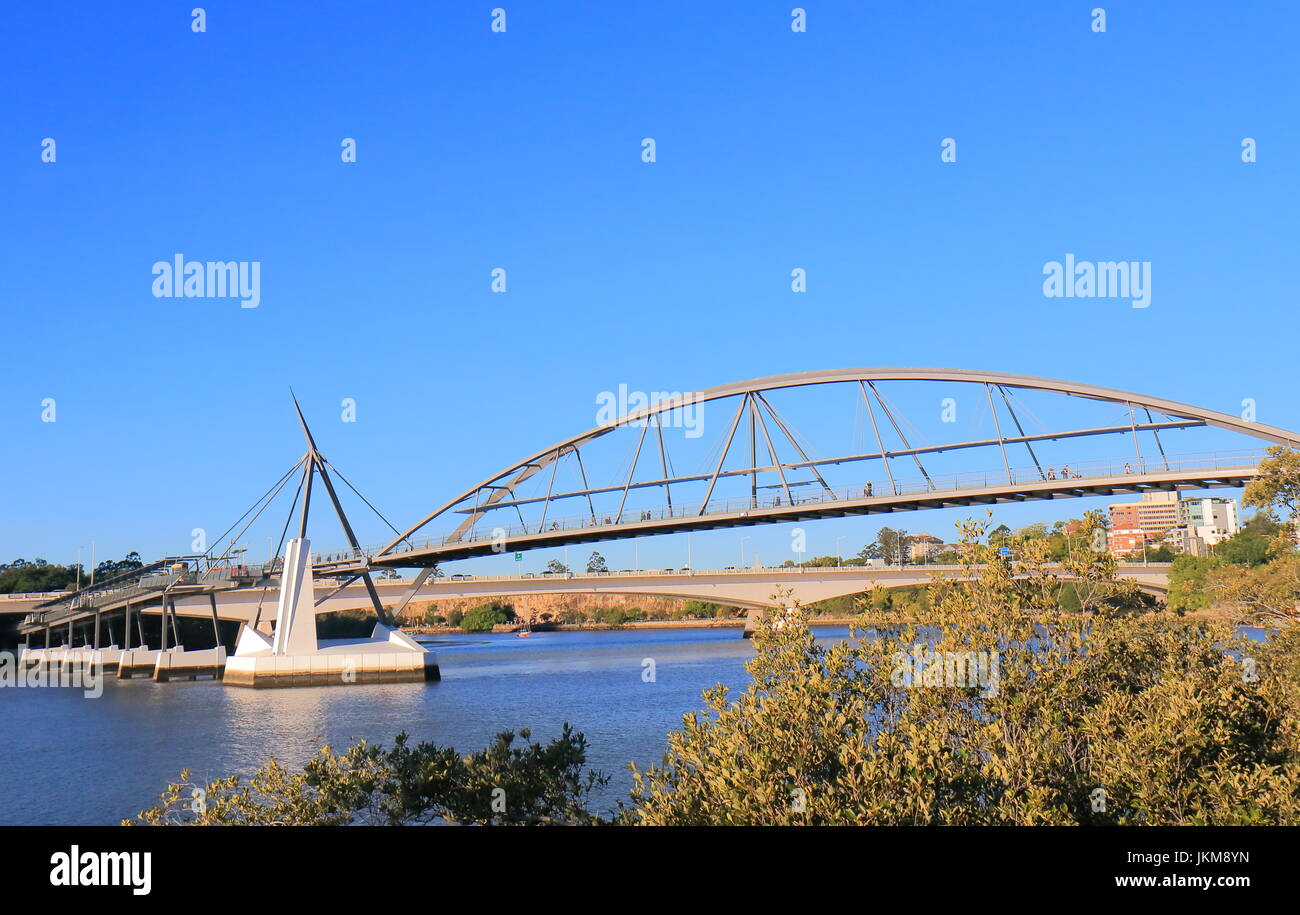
[{"x": 483, "y": 618}]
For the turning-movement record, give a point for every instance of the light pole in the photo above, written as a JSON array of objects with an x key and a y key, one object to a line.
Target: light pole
[
  {"x": 742, "y": 551},
  {"x": 839, "y": 551},
  {"x": 690, "y": 564}
]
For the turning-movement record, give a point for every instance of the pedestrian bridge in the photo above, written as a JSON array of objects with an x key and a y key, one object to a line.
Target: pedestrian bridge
[{"x": 759, "y": 469}]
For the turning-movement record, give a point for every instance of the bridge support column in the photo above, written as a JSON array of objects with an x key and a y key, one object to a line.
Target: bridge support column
[
  {"x": 293, "y": 656},
  {"x": 216, "y": 630}
]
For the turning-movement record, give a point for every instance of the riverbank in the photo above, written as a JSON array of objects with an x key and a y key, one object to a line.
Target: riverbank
[
  {"x": 1212, "y": 613},
  {"x": 630, "y": 625}
]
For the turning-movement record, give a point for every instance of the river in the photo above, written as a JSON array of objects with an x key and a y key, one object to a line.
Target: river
[{"x": 68, "y": 759}]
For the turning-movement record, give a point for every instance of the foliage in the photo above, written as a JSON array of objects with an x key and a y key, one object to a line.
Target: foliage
[
  {"x": 1277, "y": 486},
  {"x": 21, "y": 576},
  {"x": 703, "y": 609},
  {"x": 890, "y": 545},
  {"x": 596, "y": 563},
  {"x": 485, "y": 616},
  {"x": 1152, "y": 710},
  {"x": 1264, "y": 592},
  {"x": 1252, "y": 545},
  {"x": 617, "y": 616},
  {"x": 503, "y": 784},
  {"x": 555, "y": 565},
  {"x": 1187, "y": 583},
  {"x": 27, "y": 576}
]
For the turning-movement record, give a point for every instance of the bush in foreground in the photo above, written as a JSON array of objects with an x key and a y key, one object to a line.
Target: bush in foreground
[{"x": 407, "y": 784}]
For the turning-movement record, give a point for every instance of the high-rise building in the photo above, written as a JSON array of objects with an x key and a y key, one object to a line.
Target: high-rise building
[
  {"x": 1154, "y": 514},
  {"x": 1210, "y": 520},
  {"x": 1187, "y": 525}
]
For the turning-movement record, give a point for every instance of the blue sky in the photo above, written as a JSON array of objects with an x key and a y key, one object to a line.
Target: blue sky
[{"x": 522, "y": 150}]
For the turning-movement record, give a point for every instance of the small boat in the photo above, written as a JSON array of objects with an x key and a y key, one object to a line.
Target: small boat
[{"x": 525, "y": 631}]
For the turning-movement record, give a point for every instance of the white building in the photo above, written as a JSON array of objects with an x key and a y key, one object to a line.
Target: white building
[{"x": 1210, "y": 520}]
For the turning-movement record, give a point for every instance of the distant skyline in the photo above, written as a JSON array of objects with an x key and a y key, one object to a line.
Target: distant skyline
[{"x": 477, "y": 151}]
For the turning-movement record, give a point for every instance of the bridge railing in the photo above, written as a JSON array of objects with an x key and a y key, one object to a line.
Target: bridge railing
[{"x": 881, "y": 490}]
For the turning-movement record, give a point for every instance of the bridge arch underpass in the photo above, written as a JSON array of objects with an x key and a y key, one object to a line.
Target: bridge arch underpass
[{"x": 761, "y": 469}]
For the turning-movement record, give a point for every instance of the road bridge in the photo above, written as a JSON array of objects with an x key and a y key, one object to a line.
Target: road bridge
[{"x": 751, "y": 588}]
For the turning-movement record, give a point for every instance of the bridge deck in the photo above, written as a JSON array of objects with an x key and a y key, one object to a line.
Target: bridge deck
[{"x": 433, "y": 552}]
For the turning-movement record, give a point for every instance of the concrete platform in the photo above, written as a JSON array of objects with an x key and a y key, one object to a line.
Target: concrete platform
[
  {"x": 388, "y": 656},
  {"x": 102, "y": 659},
  {"x": 136, "y": 662},
  {"x": 105, "y": 659},
  {"x": 179, "y": 664}
]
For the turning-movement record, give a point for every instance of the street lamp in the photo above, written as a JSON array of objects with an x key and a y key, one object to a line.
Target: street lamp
[
  {"x": 839, "y": 551},
  {"x": 742, "y": 551}
]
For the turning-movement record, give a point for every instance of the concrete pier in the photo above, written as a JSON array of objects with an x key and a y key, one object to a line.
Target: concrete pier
[
  {"x": 137, "y": 662},
  {"x": 179, "y": 664}
]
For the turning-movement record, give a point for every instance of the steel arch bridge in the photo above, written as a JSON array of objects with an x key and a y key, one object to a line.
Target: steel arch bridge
[{"x": 760, "y": 443}]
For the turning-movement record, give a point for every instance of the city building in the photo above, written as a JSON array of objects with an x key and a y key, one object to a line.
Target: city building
[
  {"x": 1155, "y": 513},
  {"x": 1185, "y": 542},
  {"x": 1186, "y": 525},
  {"x": 920, "y": 546},
  {"x": 1210, "y": 520},
  {"x": 1124, "y": 541}
]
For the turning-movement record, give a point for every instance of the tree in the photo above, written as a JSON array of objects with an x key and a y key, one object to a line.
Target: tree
[
  {"x": 556, "y": 566},
  {"x": 1187, "y": 583},
  {"x": 893, "y": 545},
  {"x": 596, "y": 563},
  {"x": 1264, "y": 593},
  {"x": 111, "y": 568},
  {"x": 503, "y": 784},
  {"x": 1254, "y": 543},
  {"x": 484, "y": 617},
  {"x": 871, "y": 551},
  {"x": 996, "y": 708},
  {"x": 1277, "y": 485}
]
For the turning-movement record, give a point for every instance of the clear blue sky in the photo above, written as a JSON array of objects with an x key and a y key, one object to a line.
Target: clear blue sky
[{"x": 523, "y": 150}]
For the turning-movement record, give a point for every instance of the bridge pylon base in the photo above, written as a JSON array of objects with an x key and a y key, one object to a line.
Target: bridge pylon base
[{"x": 293, "y": 656}]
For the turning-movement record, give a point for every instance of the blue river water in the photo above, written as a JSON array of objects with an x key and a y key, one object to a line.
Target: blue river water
[{"x": 67, "y": 759}]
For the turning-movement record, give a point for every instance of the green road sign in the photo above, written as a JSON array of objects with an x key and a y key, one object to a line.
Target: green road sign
[{"x": 518, "y": 556}]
